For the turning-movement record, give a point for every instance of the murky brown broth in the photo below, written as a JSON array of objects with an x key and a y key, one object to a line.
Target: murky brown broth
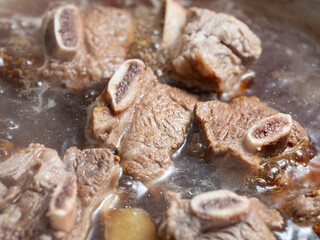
[{"x": 287, "y": 78}]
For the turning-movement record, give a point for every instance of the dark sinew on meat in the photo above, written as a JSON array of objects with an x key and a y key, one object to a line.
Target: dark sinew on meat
[
  {"x": 151, "y": 126},
  {"x": 212, "y": 49},
  {"x": 246, "y": 133},
  {"x": 38, "y": 190},
  {"x": 219, "y": 214}
]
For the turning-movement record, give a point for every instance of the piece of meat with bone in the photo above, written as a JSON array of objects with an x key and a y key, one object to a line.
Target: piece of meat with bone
[
  {"x": 145, "y": 120},
  {"x": 97, "y": 172},
  {"x": 213, "y": 50},
  {"x": 39, "y": 190},
  {"x": 246, "y": 133},
  {"x": 219, "y": 214},
  {"x": 302, "y": 206},
  {"x": 85, "y": 45},
  {"x": 113, "y": 110},
  {"x": 29, "y": 177}
]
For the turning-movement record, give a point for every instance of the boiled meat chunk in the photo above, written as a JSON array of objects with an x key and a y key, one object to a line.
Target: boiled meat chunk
[
  {"x": 100, "y": 37},
  {"x": 148, "y": 126},
  {"x": 28, "y": 177},
  {"x": 213, "y": 50},
  {"x": 246, "y": 133},
  {"x": 97, "y": 172},
  {"x": 219, "y": 214}
]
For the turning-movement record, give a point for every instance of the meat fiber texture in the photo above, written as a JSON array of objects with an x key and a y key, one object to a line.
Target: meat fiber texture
[
  {"x": 158, "y": 129},
  {"x": 29, "y": 177},
  {"x": 213, "y": 51},
  {"x": 226, "y": 124},
  {"x": 182, "y": 223},
  {"x": 149, "y": 131}
]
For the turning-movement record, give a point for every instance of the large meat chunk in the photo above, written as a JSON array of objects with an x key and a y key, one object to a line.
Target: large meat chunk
[
  {"x": 74, "y": 46},
  {"x": 160, "y": 123},
  {"x": 220, "y": 214},
  {"x": 40, "y": 193},
  {"x": 145, "y": 120},
  {"x": 97, "y": 172},
  {"x": 100, "y": 38},
  {"x": 28, "y": 178},
  {"x": 213, "y": 49},
  {"x": 246, "y": 132}
]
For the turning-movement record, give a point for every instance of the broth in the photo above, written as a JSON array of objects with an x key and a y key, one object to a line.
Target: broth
[{"x": 287, "y": 79}]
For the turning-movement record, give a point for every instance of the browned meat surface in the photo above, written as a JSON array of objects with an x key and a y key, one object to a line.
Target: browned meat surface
[
  {"x": 219, "y": 214},
  {"x": 97, "y": 171},
  {"x": 303, "y": 207},
  {"x": 246, "y": 132},
  {"x": 213, "y": 49},
  {"x": 28, "y": 178},
  {"x": 160, "y": 123}
]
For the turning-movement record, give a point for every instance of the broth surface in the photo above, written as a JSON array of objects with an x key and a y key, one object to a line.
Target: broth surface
[{"x": 287, "y": 79}]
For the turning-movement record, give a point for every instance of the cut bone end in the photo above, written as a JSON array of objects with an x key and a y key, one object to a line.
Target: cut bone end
[
  {"x": 270, "y": 135},
  {"x": 64, "y": 32},
  {"x": 125, "y": 85},
  {"x": 221, "y": 208},
  {"x": 175, "y": 18},
  {"x": 63, "y": 205}
]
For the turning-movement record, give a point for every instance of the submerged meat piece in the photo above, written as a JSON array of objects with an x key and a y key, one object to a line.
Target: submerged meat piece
[
  {"x": 213, "y": 49},
  {"x": 109, "y": 126},
  {"x": 219, "y": 214},
  {"x": 86, "y": 47},
  {"x": 97, "y": 171},
  {"x": 29, "y": 177},
  {"x": 160, "y": 123},
  {"x": 303, "y": 206},
  {"x": 149, "y": 125},
  {"x": 74, "y": 46},
  {"x": 246, "y": 133}
]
